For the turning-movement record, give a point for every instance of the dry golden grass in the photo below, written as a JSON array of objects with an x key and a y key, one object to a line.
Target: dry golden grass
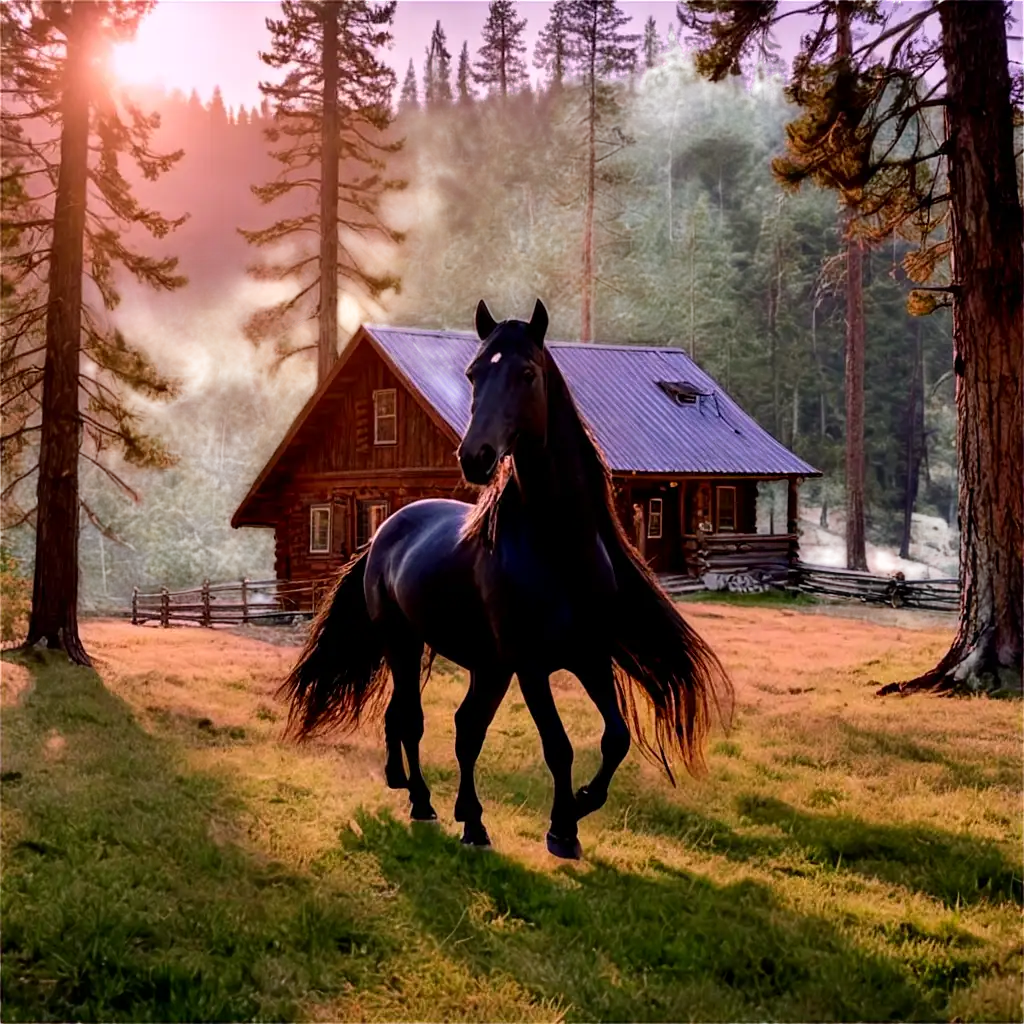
[{"x": 846, "y": 856}]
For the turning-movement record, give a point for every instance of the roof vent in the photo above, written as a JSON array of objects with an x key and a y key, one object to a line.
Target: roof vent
[{"x": 682, "y": 392}]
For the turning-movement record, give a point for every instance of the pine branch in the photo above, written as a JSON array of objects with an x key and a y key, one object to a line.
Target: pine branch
[{"x": 126, "y": 487}]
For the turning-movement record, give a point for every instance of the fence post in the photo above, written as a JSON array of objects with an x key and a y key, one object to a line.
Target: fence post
[
  {"x": 165, "y": 608},
  {"x": 207, "y": 620},
  {"x": 135, "y": 606},
  {"x": 245, "y": 600}
]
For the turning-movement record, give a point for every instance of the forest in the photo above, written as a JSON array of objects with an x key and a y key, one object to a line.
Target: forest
[{"x": 697, "y": 246}]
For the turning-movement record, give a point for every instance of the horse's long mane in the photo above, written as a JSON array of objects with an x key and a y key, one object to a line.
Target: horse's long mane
[
  {"x": 483, "y": 521},
  {"x": 677, "y": 672}
]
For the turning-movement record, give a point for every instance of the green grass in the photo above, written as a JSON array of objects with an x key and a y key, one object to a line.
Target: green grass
[
  {"x": 165, "y": 857},
  {"x": 122, "y": 898},
  {"x": 765, "y": 599}
]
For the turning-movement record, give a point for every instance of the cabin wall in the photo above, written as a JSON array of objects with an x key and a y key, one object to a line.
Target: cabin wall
[
  {"x": 339, "y": 435},
  {"x": 346, "y": 496}
]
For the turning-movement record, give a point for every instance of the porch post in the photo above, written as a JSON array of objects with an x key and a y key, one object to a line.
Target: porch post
[{"x": 793, "y": 517}]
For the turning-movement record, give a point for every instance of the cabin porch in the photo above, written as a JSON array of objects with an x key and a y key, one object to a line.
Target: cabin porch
[{"x": 696, "y": 525}]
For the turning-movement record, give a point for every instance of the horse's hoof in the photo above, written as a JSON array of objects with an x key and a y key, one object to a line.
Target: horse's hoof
[
  {"x": 422, "y": 812},
  {"x": 587, "y": 802},
  {"x": 396, "y": 778},
  {"x": 475, "y": 835},
  {"x": 567, "y": 849}
]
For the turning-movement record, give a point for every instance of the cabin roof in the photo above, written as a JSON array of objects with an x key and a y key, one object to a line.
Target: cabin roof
[{"x": 618, "y": 389}]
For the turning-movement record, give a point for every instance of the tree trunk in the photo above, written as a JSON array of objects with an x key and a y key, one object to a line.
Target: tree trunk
[
  {"x": 853, "y": 379},
  {"x": 54, "y": 615},
  {"x": 915, "y": 434},
  {"x": 327, "y": 342},
  {"x": 587, "y": 311},
  {"x": 988, "y": 325}
]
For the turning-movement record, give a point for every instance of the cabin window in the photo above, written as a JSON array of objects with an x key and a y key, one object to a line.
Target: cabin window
[
  {"x": 726, "y": 509},
  {"x": 371, "y": 514},
  {"x": 385, "y": 417},
  {"x": 654, "y": 519},
  {"x": 320, "y": 530}
]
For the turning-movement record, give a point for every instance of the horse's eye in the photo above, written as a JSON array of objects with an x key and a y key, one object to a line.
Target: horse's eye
[{"x": 529, "y": 375}]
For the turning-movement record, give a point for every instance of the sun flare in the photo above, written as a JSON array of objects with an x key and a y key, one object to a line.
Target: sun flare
[{"x": 171, "y": 48}]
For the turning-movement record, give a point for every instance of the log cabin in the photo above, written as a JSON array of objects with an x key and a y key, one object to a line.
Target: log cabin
[{"x": 382, "y": 429}]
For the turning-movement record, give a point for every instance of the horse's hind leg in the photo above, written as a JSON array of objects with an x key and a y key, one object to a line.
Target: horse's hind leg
[
  {"x": 394, "y": 766},
  {"x": 475, "y": 714},
  {"x": 599, "y": 683},
  {"x": 403, "y": 727}
]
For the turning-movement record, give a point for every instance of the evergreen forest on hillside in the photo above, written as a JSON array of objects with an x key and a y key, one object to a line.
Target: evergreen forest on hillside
[{"x": 695, "y": 245}]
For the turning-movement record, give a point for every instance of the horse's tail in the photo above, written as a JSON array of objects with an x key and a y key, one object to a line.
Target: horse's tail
[
  {"x": 657, "y": 652},
  {"x": 341, "y": 672}
]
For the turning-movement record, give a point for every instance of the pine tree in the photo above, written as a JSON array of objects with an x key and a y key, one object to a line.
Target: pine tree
[
  {"x": 218, "y": 112},
  {"x": 598, "y": 50},
  {"x": 334, "y": 103},
  {"x": 500, "y": 66},
  {"x": 551, "y": 53},
  {"x": 869, "y": 129},
  {"x": 53, "y": 243},
  {"x": 463, "y": 77},
  {"x": 651, "y": 44},
  {"x": 672, "y": 44},
  {"x": 409, "y": 98},
  {"x": 437, "y": 73}
]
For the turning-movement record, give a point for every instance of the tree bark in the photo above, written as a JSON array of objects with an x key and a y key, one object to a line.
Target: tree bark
[
  {"x": 915, "y": 439},
  {"x": 327, "y": 341},
  {"x": 853, "y": 379},
  {"x": 988, "y": 325},
  {"x": 587, "y": 310},
  {"x": 54, "y": 617}
]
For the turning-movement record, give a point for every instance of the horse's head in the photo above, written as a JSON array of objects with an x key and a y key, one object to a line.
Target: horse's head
[{"x": 509, "y": 391}]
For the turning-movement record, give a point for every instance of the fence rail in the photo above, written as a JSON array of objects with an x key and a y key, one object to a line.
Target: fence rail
[
  {"x": 254, "y": 601},
  {"x": 247, "y": 601},
  {"x": 934, "y": 595}
]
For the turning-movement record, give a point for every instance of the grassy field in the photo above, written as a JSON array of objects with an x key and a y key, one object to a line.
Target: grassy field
[{"x": 166, "y": 857}]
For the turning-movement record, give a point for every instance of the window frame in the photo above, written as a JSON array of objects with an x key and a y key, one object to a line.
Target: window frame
[
  {"x": 655, "y": 517},
  {"x": 719, "y": 488},
  {"x": 365, "y": 506},
  {"x": 380, "y": 418},
  {"x": 313, "y": 510}
]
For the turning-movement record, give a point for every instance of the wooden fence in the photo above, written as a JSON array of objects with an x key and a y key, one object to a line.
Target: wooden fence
[
  {"x": 935, "y": 595},
  {"x": 253, "y": 601},
  {"x": 247, "y": 601}
]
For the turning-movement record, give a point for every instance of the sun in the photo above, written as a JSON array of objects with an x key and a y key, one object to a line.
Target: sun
[{"x": 159, "y": 54}]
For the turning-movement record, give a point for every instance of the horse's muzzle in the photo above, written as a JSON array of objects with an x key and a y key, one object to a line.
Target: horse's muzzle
[{"x": 479, "y": 467}]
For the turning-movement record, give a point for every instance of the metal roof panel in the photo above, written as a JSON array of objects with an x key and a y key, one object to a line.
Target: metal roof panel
[{"x": 639, "y": 427}]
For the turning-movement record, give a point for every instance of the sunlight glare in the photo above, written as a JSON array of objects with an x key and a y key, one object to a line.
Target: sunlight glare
[{"x": 160, "y": 50}]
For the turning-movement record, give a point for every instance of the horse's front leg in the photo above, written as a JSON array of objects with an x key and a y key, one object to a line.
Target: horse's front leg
[
  {"x": 599, "y": 682},
  {"x": 486, "y": 692},
  {"x": 562, "y": 839}
]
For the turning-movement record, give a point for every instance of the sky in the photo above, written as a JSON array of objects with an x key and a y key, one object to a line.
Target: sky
[{"x": 197, "y": 44}]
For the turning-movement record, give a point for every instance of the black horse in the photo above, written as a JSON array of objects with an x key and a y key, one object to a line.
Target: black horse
[{"x": 537, "y": 576}]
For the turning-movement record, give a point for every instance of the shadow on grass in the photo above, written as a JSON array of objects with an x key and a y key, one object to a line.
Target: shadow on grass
[
  {"x": 871, "y": 742},
  {"x": 956, "y": 869},
  {"x": 664, "y": 946},
  {"x": 124, "y": 896}
]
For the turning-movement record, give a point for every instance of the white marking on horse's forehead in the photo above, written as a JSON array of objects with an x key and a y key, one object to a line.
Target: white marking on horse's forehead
[{"x": 496, "y": 358}]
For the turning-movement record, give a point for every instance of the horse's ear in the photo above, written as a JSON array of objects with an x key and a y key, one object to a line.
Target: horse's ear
[
  {"x": 539, "y": 323},
  {"x": 485, "y": 323}
]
